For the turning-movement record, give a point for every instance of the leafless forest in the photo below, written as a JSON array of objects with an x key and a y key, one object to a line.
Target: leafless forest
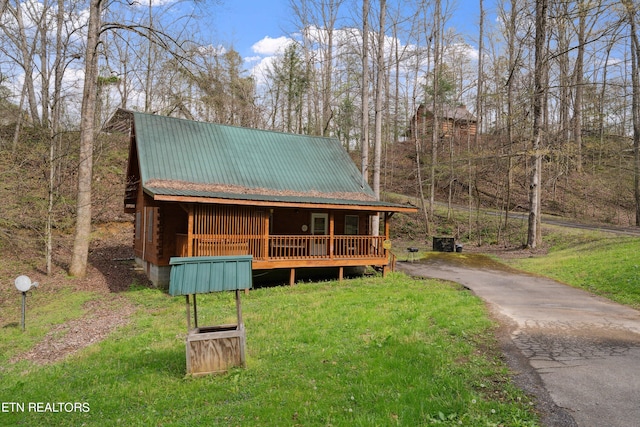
[{"x": 552, "y": 90}]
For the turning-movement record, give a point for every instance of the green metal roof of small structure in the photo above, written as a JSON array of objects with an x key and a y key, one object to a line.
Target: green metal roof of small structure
[
  {"x": 200, "y": 275},
  {"x": 184, "y": 157}
]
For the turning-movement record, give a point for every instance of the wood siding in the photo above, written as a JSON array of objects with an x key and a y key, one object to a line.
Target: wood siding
[
  {"x": 276, "y": 238},
  {"x": 228, "y": 230}
]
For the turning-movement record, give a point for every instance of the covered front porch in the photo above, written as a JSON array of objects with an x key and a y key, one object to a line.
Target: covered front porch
[{"x": 283, "y": 237}]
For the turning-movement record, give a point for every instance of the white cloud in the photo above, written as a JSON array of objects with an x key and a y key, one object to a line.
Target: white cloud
[
  {"x": 250, "y": 59},
  {"x": 270, "y": 46},
  {"x": 266, "y": 51},
  {"x": 260, "y": 70}
]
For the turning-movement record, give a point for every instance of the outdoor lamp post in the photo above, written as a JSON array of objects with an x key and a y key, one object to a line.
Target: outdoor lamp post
[{"x": 24, "y": 284}]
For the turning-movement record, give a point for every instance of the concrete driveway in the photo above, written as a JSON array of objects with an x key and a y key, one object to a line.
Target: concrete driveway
[{"x": 578, "y": 353}]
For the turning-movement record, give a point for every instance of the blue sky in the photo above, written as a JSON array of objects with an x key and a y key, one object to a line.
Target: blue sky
[
  {"x": 256, "y": 28},
  {"x": 243, "y": 23}
]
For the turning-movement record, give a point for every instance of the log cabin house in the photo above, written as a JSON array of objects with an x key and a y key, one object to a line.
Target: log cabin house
[
  {"x": 456, "y": 122},
  {"x": 290, "y": 201}
]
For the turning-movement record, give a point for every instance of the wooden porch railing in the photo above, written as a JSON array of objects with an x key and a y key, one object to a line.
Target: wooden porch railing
[
  {"x": 216, "y": 245},
  {"x": 283, "y": 247}
]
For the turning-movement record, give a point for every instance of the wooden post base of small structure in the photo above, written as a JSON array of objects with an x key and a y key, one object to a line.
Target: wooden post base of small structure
[
  {"x": 216, "y": 349},
  {"x": 212, "y": 349}
]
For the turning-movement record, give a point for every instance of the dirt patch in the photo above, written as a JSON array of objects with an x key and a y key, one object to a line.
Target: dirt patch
[
  {"x": 102, "y": 317},
  {"x": 111, "y": 270}
]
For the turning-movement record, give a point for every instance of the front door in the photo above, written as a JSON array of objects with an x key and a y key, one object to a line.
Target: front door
[{"x": 319, "y": 227}]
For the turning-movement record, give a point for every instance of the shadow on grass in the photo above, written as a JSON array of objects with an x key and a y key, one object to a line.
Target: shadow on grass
[{"x": 164, "y": 362}]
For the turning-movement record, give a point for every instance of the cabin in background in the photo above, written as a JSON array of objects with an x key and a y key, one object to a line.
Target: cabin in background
[
  {"x": 290, "y": 201},
  {"x": 457, "y": 123}
]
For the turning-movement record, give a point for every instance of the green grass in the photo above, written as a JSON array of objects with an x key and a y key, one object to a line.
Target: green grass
[
  {"x": 362, "y": 352},
  {"x": 43, "y": 309},
  {"x": 605, "y": 265}
]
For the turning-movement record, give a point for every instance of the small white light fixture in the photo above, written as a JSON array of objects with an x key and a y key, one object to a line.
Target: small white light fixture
[{"x": 24, "y": 284}]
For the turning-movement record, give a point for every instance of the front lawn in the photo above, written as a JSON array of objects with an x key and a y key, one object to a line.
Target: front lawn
[{"x": 369, "y": 351}]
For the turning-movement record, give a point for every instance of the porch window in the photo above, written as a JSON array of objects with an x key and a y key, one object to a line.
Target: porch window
[
  {"x": 319, "y": 227},
  {"x": 351, "y": 223},
  {"x": 319, "y": 223}
]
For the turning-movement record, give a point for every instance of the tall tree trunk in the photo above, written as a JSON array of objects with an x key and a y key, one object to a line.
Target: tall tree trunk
[
  {"x": 364, "y": 137},
  {"x": 148, "y": 92},
  {"x": 423, "y": 204},
  {"x": 513, "y": 59},
  {"x": 539, "y": 106},
  {"x": 561, "y": 12},
  {"x": 479, "y": 104},
  {"x": 579, "y": 80},
  {"x": 418, "y": 125},
  {"x": 54, "y": 133},
  {"x": 377, "y": 150},
  {"x": 635, "y": 108},
  {"x": 435, "y": 133},
  {"x": 80, "y": 256},
  {"x": 601, "y": 105},
  {"x": 330, "y": 14}
]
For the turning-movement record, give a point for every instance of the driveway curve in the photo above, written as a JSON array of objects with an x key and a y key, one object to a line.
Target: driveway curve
[{"x": 578, "y": 353}]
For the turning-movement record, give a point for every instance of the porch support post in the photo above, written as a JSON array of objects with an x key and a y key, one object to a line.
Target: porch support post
[
  {"x": 188, "y": 313},
  {"x": 331, "y": 235},
  {"x": 195, "y": 311},
  {"x": 190, "y": 232},
  {"x": 240, "y": 327},
  {"x": 386, "y": 225},
  {"x": 341, "y": 273},
  {"x": 265, "y": 237},
  {"x": 239, "y": 309},
  {"x": 387, "y": 254},
  {"x": 292, "y": 277}
]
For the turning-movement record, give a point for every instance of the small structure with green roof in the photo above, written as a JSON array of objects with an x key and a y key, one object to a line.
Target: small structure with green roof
[
  {"x": 204, "y": 189},
  {"x": 212, "y": 349}
]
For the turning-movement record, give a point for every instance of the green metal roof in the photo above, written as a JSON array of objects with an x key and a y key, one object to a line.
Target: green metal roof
[
  {"x": 198, "y": 275},
  {"x": 183, "y": 157}
]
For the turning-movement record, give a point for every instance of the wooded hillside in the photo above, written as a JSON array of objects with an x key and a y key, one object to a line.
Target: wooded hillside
[
  {"x": 553, "y": 89},
  {"x": 600, "y": 194}
]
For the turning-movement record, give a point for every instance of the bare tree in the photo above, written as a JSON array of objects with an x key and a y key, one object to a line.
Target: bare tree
[
  {"x": 289, "y": 79},
  {"x": 632, "y": 12},
  {"x": 380, "y": 78},
  {"x": 513, "y": 59},
  {"x": 539, "y": 107},
  {"x": 364, "y": 135},
  {"x": 435, "y": 102},
  {"x": 479, "y": 107},
  {"x": 579, "y": 82},
  {"x": 55, "y": 130},
  {"x": 23, "y": 47},
  {"x": 80, "y": 256}
]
